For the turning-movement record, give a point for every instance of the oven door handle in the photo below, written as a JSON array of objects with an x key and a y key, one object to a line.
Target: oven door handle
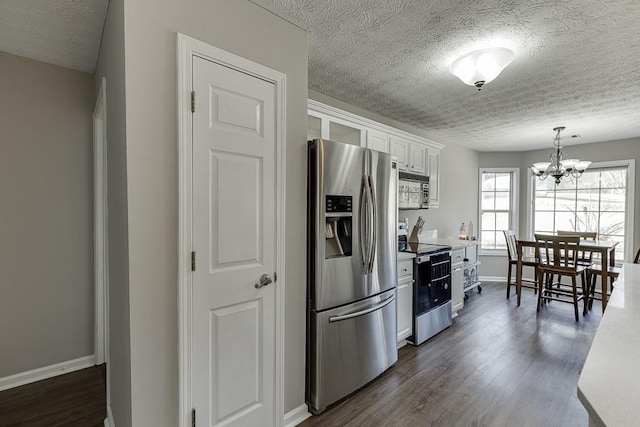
[{"x": 378, "y": 306}]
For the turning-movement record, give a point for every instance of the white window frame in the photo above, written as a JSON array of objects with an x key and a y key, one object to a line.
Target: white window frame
[
  {"x": 514, "y": 211},
  {"x": 630, "y": 164}
]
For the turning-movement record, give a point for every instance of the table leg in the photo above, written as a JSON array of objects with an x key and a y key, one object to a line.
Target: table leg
[
  {"x": 605, "y": 278},
  {"x": 519, "y": 275}
]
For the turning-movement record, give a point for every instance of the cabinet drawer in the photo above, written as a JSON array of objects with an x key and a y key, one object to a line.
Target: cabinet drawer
[
  {"x": 457, "y": 256},
  {"x": 405, "y": 269}
]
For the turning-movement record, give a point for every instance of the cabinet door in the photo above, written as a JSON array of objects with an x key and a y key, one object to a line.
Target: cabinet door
[
  {"x": 343, "y": 132},
  {"x": 457, "y": 288},
  {"x": 405, "y": 298},
  {"x": 418, "y": 155},
  {"x": 433, "y": 156},
  {"x": 314, "y": 127},
  {"x": 377, "y": 141},
  {"x": 400, "y": 149}
]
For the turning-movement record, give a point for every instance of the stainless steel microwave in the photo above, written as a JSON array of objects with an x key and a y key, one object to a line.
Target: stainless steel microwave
[{"x": 413, "y": 191}]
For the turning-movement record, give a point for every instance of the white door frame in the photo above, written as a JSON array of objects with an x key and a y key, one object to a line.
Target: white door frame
[
  {"x": 188, "y": 47},
  {"x": 100, "y": 236}
]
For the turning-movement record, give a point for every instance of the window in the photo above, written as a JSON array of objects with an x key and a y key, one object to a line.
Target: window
[
  {"x": 498, "y": 208},
  {"x": 596, "y": 201}
]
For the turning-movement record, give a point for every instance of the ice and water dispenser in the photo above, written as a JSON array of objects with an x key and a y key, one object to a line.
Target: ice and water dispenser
[{"x": 338, "y": 214}]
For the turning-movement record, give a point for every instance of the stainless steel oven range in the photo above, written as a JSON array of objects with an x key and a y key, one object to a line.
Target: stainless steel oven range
[{"x": 431, "y": 290}]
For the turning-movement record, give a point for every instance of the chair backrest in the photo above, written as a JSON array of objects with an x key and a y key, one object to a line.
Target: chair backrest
[
  {"x": 586, "y": 235},
  {"x": 584, "y": 256},
  {"x": 559, "y": 251},
  {"x": 512, "y": 250},
  {"x": 637, "y": 258}
]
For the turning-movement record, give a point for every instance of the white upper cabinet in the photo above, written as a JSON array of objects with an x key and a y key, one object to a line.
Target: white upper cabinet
[
  {"x": 414, "y": 153},
  {"x": 377, "y": 141},
  {"x": 412, "y": 156},
  {"x": 433, "y": 163},
  {"x": 400, "y": 149},
  {"x": 324, "y": 126},
  {"x": 418, "y": 155}
]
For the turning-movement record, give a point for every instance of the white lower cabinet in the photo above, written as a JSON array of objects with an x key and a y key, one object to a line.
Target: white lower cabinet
[
  {"x": 405, "y": 299},
  {"x": 457, "y": 280},
  {"x": 457, "y": 291}
]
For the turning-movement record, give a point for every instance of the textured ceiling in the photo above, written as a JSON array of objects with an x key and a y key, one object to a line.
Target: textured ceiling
[
  {"x": 577, "y": 64},
  {"x": 60, "y": 32}
]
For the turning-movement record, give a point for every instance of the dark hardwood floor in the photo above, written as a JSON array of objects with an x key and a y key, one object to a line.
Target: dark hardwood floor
[
  {"x": 498, "y": 365},
  {"x": 76, "y": 399}
]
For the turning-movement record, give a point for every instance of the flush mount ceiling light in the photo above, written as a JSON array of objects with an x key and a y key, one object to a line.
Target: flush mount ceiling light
[
  {"x": 559, "y": 166},
  {"x": 481, "y": 66}
]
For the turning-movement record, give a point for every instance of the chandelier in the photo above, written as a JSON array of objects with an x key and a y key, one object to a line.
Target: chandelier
[{"x": 559, "y": 166}]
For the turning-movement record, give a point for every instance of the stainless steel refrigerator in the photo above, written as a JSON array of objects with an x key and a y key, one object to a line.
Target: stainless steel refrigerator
[{"x": 352, "y": 255}]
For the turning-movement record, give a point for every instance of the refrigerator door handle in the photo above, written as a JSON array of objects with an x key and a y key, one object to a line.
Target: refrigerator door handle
[
  {"x": 374, "y": 221},
  {"x": 378, "y": 306},
  {"x": 362, "y": 223}
]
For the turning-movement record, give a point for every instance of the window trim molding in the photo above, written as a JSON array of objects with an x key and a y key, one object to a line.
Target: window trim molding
[
  {"x": 514, "y": 209},
  {"x": 629, "y": 206}
]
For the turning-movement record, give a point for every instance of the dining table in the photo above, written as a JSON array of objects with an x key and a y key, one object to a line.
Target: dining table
[{"x": 605, "y": 248}]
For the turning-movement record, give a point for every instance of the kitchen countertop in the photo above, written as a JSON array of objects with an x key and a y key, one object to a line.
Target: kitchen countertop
[
  {"x": 610, "y": 381},
  {"x": 405, "y": 255},
  {"x": 454, "y": 243}
]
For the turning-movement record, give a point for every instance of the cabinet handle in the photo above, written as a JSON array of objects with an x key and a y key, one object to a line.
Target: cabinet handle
[{"x": 457, "y": 269}]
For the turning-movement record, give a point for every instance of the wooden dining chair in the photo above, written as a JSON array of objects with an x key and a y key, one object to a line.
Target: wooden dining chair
[
  {"x": 558, "y": 255},
  {"x": 512, "y": 252},
  {"x": 584, "y": 257},
  {"x": 613, "y": 273}
]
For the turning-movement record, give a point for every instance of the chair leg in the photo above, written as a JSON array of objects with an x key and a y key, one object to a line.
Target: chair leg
[
  {"x": 540, "y": 284},
  {"x": 585, "y": 293},
  {"x": 508, "y": 280},
  {"x": 575, "y": 297},
  {"x": 592, "y": 289},
  {"x": 535, "y": 274}
]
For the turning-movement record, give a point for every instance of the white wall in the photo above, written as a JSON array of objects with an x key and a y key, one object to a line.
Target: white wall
[
  {"x": 598, "y": 152},
  {"x": 46, "y": 219},
  {"x": 111, "y": 66},
  {"x": 247, "y": 30},
  {"x": 458, "y": 177}
]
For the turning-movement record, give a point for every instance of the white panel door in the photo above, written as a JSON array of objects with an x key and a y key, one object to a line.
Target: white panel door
[
  {"x": 377, "y": 141},
  {"x": 234, "y": 237}
]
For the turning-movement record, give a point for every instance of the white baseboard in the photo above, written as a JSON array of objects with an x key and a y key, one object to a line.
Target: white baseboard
[
  {"x": 296, "y": 416},
  {"x": 45, "y": 372},
  {"x": 108, "y": 422},
  {"x": 493, "y": 279}
]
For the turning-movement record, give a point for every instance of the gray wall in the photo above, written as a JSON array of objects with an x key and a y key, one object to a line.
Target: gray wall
[
  {"x": 249, "y": 31},
  {"x": 496, "y": 266},
  {"x": 111, "y": 66},
  {"x": 46, "y": 219},
  {"x": 458, "y": 177}
]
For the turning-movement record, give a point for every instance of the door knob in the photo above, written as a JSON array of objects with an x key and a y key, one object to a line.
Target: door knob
[{"x": 265, "y": 279}]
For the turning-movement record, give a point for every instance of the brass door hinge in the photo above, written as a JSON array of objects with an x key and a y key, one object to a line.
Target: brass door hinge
[
  {"x": 193, "y": 261},
  {"x": 193, "y": 417},
  {"x": 193, "y": 101}
]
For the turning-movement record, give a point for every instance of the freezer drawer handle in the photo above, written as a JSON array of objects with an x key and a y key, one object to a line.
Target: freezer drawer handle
[{"x": 363, "y": 312}]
